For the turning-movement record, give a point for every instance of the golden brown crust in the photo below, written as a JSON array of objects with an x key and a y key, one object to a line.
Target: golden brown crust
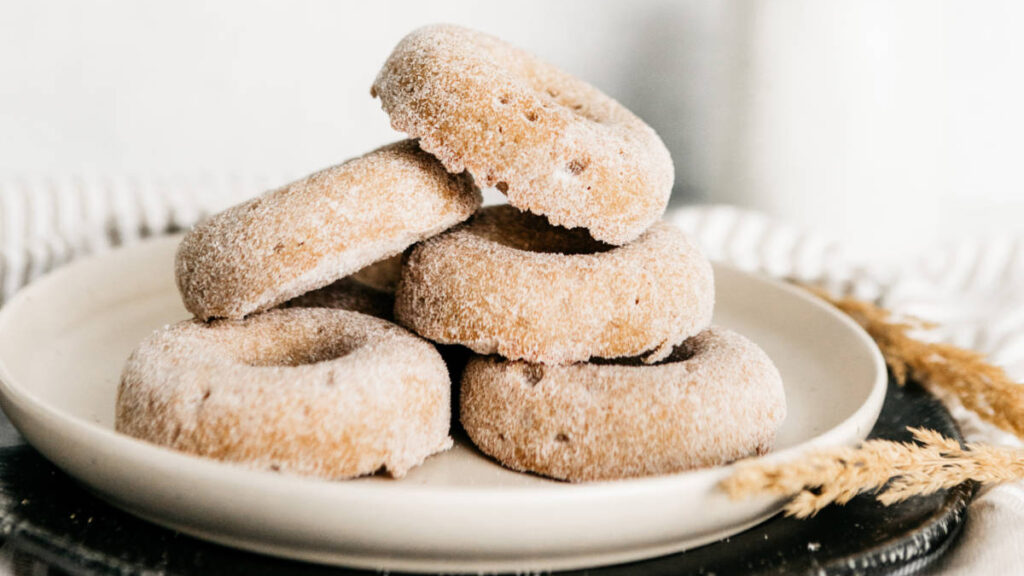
[
  {"x": 310, "y": 233},
  {"x": 717, "y": 398},
  {"x": 320, "y": 392},
  {"x": 552, "y": 143},
  {"x": 508, "y": 283}
]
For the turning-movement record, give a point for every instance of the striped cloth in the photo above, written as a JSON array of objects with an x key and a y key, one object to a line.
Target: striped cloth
[
  {"x": 973, "y": 287},
  {"x": 47, "y": 222}
]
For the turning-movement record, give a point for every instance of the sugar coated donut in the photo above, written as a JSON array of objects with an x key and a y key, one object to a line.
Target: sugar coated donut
[
  {"x": 552, "y": 143},
  {"x": 382, "y": 275},
  {"x": 717, "y": 398},
  {"x": 311, "y": 391},
  {"x": 370, "y": 291},
  {"x": 312, "y": 232},
  {"x": 348, "y": 294},
  {"x": 508, "y": 283}
]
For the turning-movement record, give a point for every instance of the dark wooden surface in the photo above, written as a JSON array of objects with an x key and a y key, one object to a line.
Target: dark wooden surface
[{"x": 47, "y": 515}]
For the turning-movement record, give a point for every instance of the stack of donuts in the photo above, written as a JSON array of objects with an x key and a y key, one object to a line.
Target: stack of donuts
[{"x": 576, "y": 324}]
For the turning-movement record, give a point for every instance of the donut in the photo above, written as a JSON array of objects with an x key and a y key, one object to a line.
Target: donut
[
  {"x": 324, "y": 227},
  {"x": 348, "y": 294},
  {"x": 382, "y": 276},
  {"x": 370, "y": 291},
  {"x": 309, "y": 391},
  {"x": 715, "y": 399},
  {"x": 553, "y": 144},
  {"x": 509, "y": 283}
]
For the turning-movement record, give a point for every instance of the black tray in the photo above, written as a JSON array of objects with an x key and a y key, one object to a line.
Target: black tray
[{"x": 46, "y": 515}]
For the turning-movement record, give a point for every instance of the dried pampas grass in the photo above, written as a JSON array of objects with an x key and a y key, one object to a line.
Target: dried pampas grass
[{"x": 896, "y": 471}]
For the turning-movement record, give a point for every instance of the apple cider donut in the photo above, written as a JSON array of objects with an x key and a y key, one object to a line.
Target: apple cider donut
[
  {"x": 348, "y": 294},
  {"x": 715, "y": 399},
  {"x": 370, "y": 291},
  {"x": 311, "y": 391},
  {"x": 508, "y": 283},
  {"x": 553, "y": 144},
  {"x": 310, "y": 233},
  {"x": 382, "y": 275}
]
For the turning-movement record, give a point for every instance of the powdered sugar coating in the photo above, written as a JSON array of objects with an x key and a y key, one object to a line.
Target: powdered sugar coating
[
  {"x": 717, "y": 398},
  {"x": 508, "y": 283},
  {"x": 327, "y": 393},
  {"x": 552, "y": 143},
  {"x": 310, "y": 233}
]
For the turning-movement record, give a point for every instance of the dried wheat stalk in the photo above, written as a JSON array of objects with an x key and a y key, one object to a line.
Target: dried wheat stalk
[
  {"x": 895, "y": 471},
  {"x": 981, "y": 387}
]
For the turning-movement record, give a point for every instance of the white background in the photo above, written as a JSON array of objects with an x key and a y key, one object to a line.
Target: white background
[{"x": 887, "y": 124}]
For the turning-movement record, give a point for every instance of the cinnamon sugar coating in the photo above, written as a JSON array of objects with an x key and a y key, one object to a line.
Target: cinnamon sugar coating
[
  {"x": 327, "y": 393},
  {"x": 508, "y": 283},
  {"x": 715, "y": 399},
  {"x": 552, "y": 143},
  {"x": 312, "y": 232}
]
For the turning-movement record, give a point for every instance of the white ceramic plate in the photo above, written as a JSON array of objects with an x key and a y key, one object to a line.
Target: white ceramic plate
[{"x": 64, "y": 339}]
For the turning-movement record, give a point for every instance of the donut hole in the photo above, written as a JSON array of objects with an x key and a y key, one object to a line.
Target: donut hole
[
  {"x": 531, "y": 233},
  {"x": 297, "y": 352}
]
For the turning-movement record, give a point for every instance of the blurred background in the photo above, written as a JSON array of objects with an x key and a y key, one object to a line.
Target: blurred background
[{"x": 888, "y": 125}]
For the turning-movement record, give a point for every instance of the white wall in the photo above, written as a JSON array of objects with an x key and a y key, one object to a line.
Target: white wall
[
  {"x": 884, "y": 123},
  {"x": 235, "y": 85}
]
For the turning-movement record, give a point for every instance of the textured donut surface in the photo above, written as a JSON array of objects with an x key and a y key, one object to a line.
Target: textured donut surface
[
  {"x": 370, "y": 291},
  {"x": 324, "y": 227},
  {"x": 319, "y": 392},
  {"x": 382, "y": 275},
  {"x": 508, "y": 283},
  {"x": 552, "y": 143},
  {"x": 348, "y": 294},
  {"x": 717, "y": 398}
]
